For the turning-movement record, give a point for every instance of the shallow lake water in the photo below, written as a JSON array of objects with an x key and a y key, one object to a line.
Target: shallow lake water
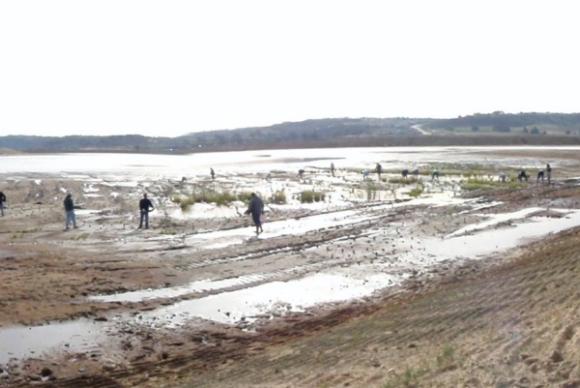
[{"x": 176, "y": 166}]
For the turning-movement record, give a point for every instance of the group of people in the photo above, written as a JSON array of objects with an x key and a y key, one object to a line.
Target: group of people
[
  {"x": 545, "y": 174},
  {"x": 541, "y": 176},
  {"x": 255, "y": 209},
  {"x": 256, "y": 205}
]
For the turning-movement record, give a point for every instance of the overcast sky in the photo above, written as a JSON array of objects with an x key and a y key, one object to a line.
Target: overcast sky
[{"x": 172, "y": 67}]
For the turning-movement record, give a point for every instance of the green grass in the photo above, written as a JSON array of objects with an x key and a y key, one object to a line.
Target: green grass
[
  {"x": 417, "y": 191},
  {"x": 311, "y": 196},
  {"x": 278, "y": 198},
  {"x": 403, "y": 181},
  {"x": 220, "y": 198},
  {"x": 244, "y": 196}
]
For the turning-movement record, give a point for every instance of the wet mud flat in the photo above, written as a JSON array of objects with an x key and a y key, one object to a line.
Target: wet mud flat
[{"x": 107, "y": 303}]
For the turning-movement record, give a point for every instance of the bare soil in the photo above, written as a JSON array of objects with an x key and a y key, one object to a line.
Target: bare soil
[{"x": 506, "y": 321}]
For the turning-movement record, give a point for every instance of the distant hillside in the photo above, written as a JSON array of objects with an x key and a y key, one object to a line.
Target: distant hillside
[
  {"x": 480, "y": 129},
  {"x": 533, "y": 123},
  {"x": 304, "y": 131},
  {"x": 285, "y": 133}
]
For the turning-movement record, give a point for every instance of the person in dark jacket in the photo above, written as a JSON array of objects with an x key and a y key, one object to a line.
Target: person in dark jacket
[
  {"x": 69, "y": 208},
  {"x": 2, "y": 201},
  {"x": 435, "y": 175},
  {"x": 332, "y": 169},
  {"x": 379, "y": 170},
  {"x": 145, "y": 207},
  {"x": 212, "y": 173},
  {"x": 256, "y": 209},
  {"x": 549, "y": 173}
]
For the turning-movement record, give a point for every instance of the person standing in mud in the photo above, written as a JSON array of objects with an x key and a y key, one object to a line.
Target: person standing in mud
[
  {"x": 332, "y": 169},
  {"x": 549, "y": 173},
  {"x": 69, "y": 208},
  {"x": 212, "y": 173},
  {"x": 379, "y": 170},
  {"x": 145, "y": 207},
  {"x": 256, "y": 209},
  {"x": 435, "y": 175},
  {"x": 2, "y": 201}
]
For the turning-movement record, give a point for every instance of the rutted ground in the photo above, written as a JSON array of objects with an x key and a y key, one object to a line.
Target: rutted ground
[
  {"x": 216, "y": 292},
  {"x": 515, "y": 325}
]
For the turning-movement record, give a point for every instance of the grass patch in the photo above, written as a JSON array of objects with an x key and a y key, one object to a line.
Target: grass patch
[
  {"x": 409, "y": 378},
  {"x": 278, "y": 198},
  {"x": 403, "y": 181},
  {"x": 311, "y": 196},
  {"x": 417, "y": 191},
  {"x": 244, "y": 196},
  {"x": 446, "y": 359},
  {"x": 220, "y": 198},
  {"x": 485, "y": 184}
]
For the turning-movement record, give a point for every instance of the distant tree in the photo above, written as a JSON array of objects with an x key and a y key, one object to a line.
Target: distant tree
[
  {"x": 474, "y": 128},
  {"x": 525, "y": 130},
  {"x": 568, "y": 132},
  {"x": 535, "y": 131},
  {"x": 501, "y": 128}
]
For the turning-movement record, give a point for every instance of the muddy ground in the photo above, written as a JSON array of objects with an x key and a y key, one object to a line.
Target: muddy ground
[{"x": 450, "y": 287}]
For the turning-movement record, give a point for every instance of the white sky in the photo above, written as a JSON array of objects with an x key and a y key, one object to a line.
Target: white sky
[{"x": 172, "y": 67}]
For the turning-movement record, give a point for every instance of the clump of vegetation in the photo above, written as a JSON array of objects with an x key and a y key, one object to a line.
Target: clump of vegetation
[
  {"x": 446, "y": 360},
  {"x": 417, "y": 191},
  {"x": 403, "y": 181},
  {"x": 244, "y": 196},
  {"x": 472, "y": 184},
  {"x": 410, "y": 378},
  {"x": 278, "y": 198},
  {"x": 311, "y": 196},
  {"x": 220, "y": 198}
]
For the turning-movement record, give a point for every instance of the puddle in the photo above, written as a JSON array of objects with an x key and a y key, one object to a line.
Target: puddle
[
  {"x": 174, "y": 292},
  {"x": 296, "y": 295},
  {"x": 495, "y": 219},
  {"x": 269, "y": 299},
  {"x": 487, "y": 242},
  {"x": 21, "y": 342}
]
